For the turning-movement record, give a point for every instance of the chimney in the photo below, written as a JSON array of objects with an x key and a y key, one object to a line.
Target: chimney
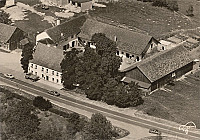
[{"x": 57, "y": 22}]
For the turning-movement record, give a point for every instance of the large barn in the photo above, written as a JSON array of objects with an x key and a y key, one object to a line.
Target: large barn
[{"x": 156, "y": 71}]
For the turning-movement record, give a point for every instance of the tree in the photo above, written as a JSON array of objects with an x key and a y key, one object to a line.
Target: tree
[
  {"x": 99, "y": 128},
  {"x": 27, "y": 52},
  {"x": 129, "y": 95},
  {"x": 172, "y": 5},
  {"x": 4, "y": 17},
  {"x": 190, "y": 10},
  {"x": 20, "y": 120},
  {"x": 68, "y": 66},
  {"x": 41, "y": 103},
  {"x": 107, "y": 49}
]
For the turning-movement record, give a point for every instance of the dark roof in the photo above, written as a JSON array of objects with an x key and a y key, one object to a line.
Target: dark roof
[
  {"x": 140, "y": 83},
  {"x": 49, "y": 57},
  {"x": 127, "y": 40},
  {"x": 6, "y": 31},
  {"x": 24, "y": 41},
  {"x": 81, "y": 1},
  {"x": 163, "y": 63},
  {"x": 67, "y": 28}
]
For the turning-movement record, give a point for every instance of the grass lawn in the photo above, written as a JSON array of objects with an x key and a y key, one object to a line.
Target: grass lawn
[
  {"x": 181, "y": 105},
  {"x": 154, "y": 20}
]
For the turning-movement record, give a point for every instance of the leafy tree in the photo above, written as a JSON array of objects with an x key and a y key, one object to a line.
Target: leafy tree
[
  {"x": 172, "y": 5},
  {"x": 20, "y": 120},
  {"x": 4, "y": 17},
  {"x": 107, "y": 49},
  {"x": 99, "y": 128},
  {"x": 41, "y": 103},
  {"x": 68, "y": 66},
  {"x": 129, "y": 95},
  {"x": 77, "y": 122},
  {"x": 27, "y": 52},
  {"x": 190, "y": 10}
]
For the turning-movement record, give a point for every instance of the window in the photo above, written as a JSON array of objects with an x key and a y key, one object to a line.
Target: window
[
  {"x": 151, "y": 46},
  {"x": 42, "y": 75},
  {"x": 35, "y": 73},
  {"x": 31, "y": 65},
  {"x": 57, "y": 74},
  {"x": 57, "y": 80},
  {"x": 79, "y": 4},
  {"x": 42, "y": 69},
  {"x": 117, "y": 52},
  {"x": 127, "y": 55},
  {"x": 122, "y": 52},
  {"x": 35, "y": 66},
  {"x": 72, "y": 36},
  {"x": 52, "y": 72},
  {"x": 31, "y": 71},
  {"x": 46, "y": 70},
  {"x": 73, "y": 43},
  {"x": 163, "y": 48},
  {"x": 53, "y": 79},
  {"x": 47, "y": 78},
  {"x": 132, "y": 55}
]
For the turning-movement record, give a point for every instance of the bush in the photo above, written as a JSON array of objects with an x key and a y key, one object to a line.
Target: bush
[{"x": 41, "y": 103}]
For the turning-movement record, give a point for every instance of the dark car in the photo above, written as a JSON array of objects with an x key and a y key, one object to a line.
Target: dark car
[
  {"x": 45, "y": 7},
  {"x": 32, "y": 77},
  {"x": 54, "y": 93},
  {"x": 154, "y": 131}
]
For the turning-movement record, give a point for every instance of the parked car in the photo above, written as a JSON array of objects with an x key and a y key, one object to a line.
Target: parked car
[
  {"x": 154, "y": 131},
  {"x": 10, "y": 76},
  {"x": 32, "y": 77},
  {"x": 54, "y": 93}
]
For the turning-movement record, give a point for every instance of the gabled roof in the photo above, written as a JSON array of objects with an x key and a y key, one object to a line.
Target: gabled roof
[
  {"x": 163, "y": 63},
  {"x": 49, "y": 57},
  {"x": 127, "y": 40},
  {"x": 66, "y": 29},
  {"x": 6, "y": 31}
]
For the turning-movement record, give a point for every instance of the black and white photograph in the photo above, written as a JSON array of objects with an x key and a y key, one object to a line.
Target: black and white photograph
[{"x": 99, "y": 69}]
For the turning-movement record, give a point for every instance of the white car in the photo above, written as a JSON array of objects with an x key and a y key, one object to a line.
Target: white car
[{"x": 10, "y": 76}]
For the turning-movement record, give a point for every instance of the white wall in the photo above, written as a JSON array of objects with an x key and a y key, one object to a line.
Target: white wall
[
  {"x": 41, "y": 36},
  {"x": 37, "y": 70}
]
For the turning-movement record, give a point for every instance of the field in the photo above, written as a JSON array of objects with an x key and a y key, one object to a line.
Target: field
[
  {"x": 154, "y": 20},
  {"x": 180, "y": 103}
]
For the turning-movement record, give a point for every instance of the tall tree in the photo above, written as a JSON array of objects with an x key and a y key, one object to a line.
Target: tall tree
[
  {"x": 68, "y": 66},
  {"x": 27, "y": 55},
  {"x": 4, "y": 17},
  {"x": 99, "y": 128}
]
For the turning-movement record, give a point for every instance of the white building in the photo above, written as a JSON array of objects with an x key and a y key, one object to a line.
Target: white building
[
  {"x": 165, "y": 45},
  {"x": 46, "y": 63}
]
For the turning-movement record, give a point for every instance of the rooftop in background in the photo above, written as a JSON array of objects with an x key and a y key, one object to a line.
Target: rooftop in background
[
  {"x": 163, "y": 63},
  {"x": 49, "y": 57},
  {"x": 66, "y": 29},
  {"x": 174, "y": 40},
  {"x": 127, "y": 40},
  {"x": 6, "y": 31}
]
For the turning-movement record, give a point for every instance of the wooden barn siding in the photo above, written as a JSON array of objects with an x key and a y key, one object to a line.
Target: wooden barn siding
[
  {"x": 138, "y": 75},
  {"x": 161, "y": 82},
  {"x": 15, "y": 39}
]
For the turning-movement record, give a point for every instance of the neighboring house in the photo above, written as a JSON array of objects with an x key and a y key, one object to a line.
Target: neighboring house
[
  {"x": 46, "y": 63},
  {"x": 130, "y": 44},
  {"x": 62, "y": 36},
  {"x": 165, "y": 45},
  {"x": 156, "y": 71},
  {"x": 83, "y": 4},
  {"x": 10, "y": 36},
  {"x": 10, "y": 3}
]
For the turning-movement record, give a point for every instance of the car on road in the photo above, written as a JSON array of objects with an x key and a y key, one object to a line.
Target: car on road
[
  {"x": 45, "y": 7},
  {"x": 54, "y": 93},
  {"x": 32, "y": 77},
  {"x": 10, "y": 76},
  {"x": 154, "y": 131}
]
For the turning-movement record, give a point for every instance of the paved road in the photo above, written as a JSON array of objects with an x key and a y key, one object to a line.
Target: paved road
[{"x": 94, "y": 109}]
